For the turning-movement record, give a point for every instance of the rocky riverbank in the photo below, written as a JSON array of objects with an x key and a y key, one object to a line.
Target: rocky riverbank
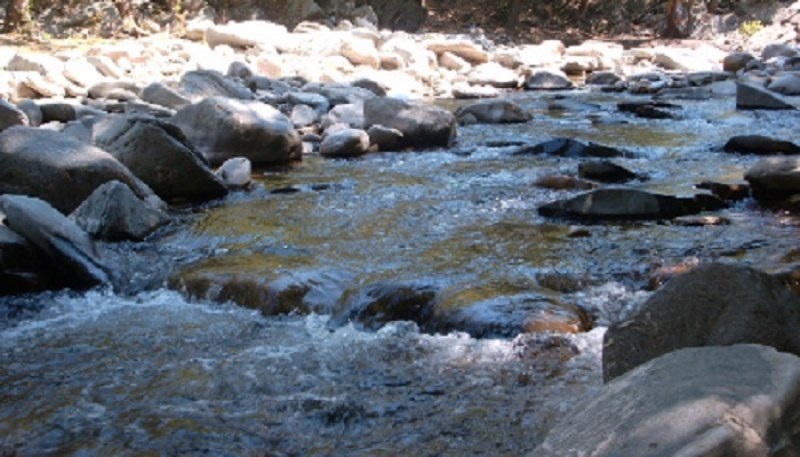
[{"x": 110, "y": 142}]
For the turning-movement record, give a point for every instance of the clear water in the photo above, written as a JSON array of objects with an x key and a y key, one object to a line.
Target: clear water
[{"x": 156, "y": 374}]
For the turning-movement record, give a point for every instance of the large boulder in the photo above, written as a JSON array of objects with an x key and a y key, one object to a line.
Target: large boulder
[
  {"x": 628, "y": 204},
  {"x": 422, "y": 126},
  {"x": 712, "y": 305},
  {"x": 737, "y": 401},
  {"x": 200, "y": 84},
  {"x": 750, "y": 96},
  {"x": 68, "y": 251},
  {"x": 774, "y": 178},
  {"x": 161, "y": 156},
  {"x": 113, "y": 212},
  {"x": 492, "y": 112},
  {"x": 58, "y": 168},
  {"x": 222, "y": 128},
  {"x": 162, "y": 95}
]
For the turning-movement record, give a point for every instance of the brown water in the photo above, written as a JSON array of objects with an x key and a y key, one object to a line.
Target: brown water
[{"x": 157, "y": 374}]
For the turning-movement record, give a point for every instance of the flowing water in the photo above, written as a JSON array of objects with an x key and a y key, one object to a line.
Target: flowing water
[{"x": 153, "y": 373}]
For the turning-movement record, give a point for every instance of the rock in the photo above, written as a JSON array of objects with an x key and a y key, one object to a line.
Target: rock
[
  {"x": 736, "y": 61},
  {"x": 572, "y": 105},
  {"x": 345, "y": 143},
  {"x": 683, "y": 93},
  {"x": 548, "y": 80},
  {"x": 161, "y": 156},
  {"x": 200, "y": 84},
  {"x": 30, "y": 157},
  {"x": 259, "y": 283},
  {"x": 507, "y": 316},
  {"x": 243, "y": 34},
  {"x": 567, "y": 147},
  {"x": 350, "y": 114},
  {"x": 628, "y": 204},
  {"x": 11, "y": 115},
  {"x": 39, "y": 63},
  {"x": 465, "y": 49},
  {"x": 339, "y": 94},
  {"x": 686, "y": 59},
  {"x": 68, "y": 250},
  {"x": 422, "y": 126},
  {"x": 236, "y": 172},
  {"x": 605, "y": 171},
  {"x": 361, "y": 52},
  {"x": 453, "y": 62},
  {"x": 548, "y": 53},
  {"x": 378, "y": 304},
  {"x": 492, "y": 112},
  {"x": 737, "y": 401},
  {"x": 712, "y": 305},
  {"x": 58, "y": 112},
  {"x": 786, "y": 84},
  {"x": 373, "y": 86},
  {"x": 494, "y": 75},
  {"x": 384, "y": 138},
  {"x": 466, "y": 91},
  {"x": 319, "y": 102},
  {"x": 774, "y": 178},
  {"x": 22, "y": 270},
  {"x": 777, "y": 50},
  {"x": 725, "y": 191},
  {"x": 304, "y": 115},
  {"x": 647, "y": 109},
  {"x": 560, "y": 182},
  {"x": 113, "y": 212},
  {"x": 750, "y": 96},
  {"x": 162, "y": 95},
  {"x": 106, "y": 66},
  {"x": 82, "y": 73},
  {"x": 603, "y": 78},
  {"x": 239, "y": 70},
  {"x": 115, "y": 90},
  {"x": 43, "y": 87},
  {"x": 760, "y": 145},
  {"x": 32, "y": 112},
  {"x": 222, "y": 128}
]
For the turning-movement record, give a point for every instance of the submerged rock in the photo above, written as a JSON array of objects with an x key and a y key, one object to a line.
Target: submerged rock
[
  {"x": 567, "y": 147},
  {"x": 760, "y": 145},
  {"x": 628, "y": 204},
  {"x": 711, "y": 305},
  {"x": 422, "y": 126},
  {"x": 113, "y": 212},
  {"x": 222, "y": 128},
  {"x": 379, "y": 304},
  {"x": 58, "y": 168},
  {"x": 737, "y": 401},
  {"x": 68, "y": 251},
  {"x": 492, "y": 112}
]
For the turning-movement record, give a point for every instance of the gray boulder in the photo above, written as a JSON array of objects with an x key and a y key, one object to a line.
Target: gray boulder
[
  {"x": 547, "y": 80},
  {"x": 712, "y": 305},
  {"x": 737, "y": 401},
  {"x": 32, "y": 112},
  {"x": 422, "y": 126},
  {"x": 222, "y": 128},
  {"x": 58, "y": 168},
  {"x": 567, "y": 147},
  {"x": 201, "y": 84},
  {"x": 303, "y": 116},
  {"x": 161, "y": 156},
  {"x": 760, "y": 145},
  {"x": 384, "y": 138},
  {"x": 11, "y": 115},
  {"x": 113, "y": 212},
  {"x": 735, "y": 61},
  {"x": 774, "y": 178},
  {"x": 628, "y": 204},
  {"x": 750, "y": 96},
  {"x": 786, "y": 84},
  {"x": 115, "y": 90},
  {"x": 67, "y": 249},
  {"x": 350, "y": 114},
  {"x": 236, "y": 172},
  {"x": 159, "y": 94},
  {"x": 345, "y": 143},
  {"x": 602, "y": 78},
  {"x": 492, "y": 112}
]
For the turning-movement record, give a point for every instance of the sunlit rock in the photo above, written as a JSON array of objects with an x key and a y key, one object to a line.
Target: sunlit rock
[
  {"x": 422, "y": 126},
  {"x": 163, "y": 95},
  {"x": 236, "y": 172},
  {"x": 786, "y": 84},
  {"x": 492, "y": 112},
  {"x": 345, "y": 143},
  {"x": 548, "y": 80},
  {"x": 495, "y": 75},
  {"x": 243, "y": 34},
  {"x": 750, "y": 96},
  {"x": 361, "y": 52},
  {"x": 467, "y": 50},
  {"x": 11, "y": 115},
  {"x": 208, "y": 83}
]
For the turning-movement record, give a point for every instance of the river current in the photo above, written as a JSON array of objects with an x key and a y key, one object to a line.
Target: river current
[{"x": 154, "y": 373}]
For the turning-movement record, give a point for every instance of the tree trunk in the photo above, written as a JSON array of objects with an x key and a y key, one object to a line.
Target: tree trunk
[
  {"x": 512, "y": 20},
  {"x": 679, "y": 18},
  {"x": 18, "y": 16}
]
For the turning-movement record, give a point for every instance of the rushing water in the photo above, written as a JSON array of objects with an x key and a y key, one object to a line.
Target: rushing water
[{"x": 156, "y": 374}]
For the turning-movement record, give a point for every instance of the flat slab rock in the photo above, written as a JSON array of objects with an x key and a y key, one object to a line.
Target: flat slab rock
[{"x": 735, "y": 401}]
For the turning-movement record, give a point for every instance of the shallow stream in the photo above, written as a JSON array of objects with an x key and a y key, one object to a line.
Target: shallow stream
[{"x": 154, "y": 373}]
